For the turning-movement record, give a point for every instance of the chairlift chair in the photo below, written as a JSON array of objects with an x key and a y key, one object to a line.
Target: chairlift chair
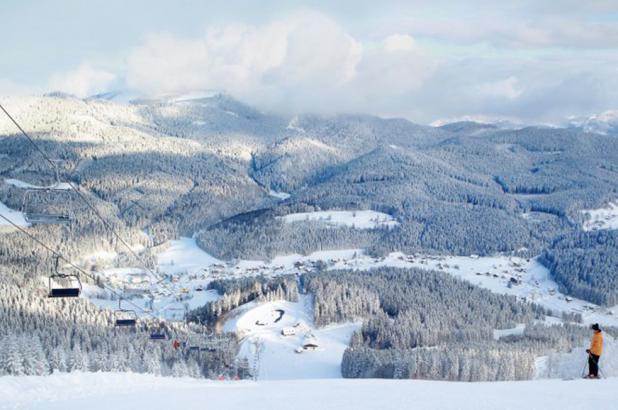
[
  {"x": 73, "y": 290},
  {"x": 194, "y": 348},
  {"x": 43, "y": 218},
  {"x": 158, "y": 333},
  {"x": 125, "y": 317}
]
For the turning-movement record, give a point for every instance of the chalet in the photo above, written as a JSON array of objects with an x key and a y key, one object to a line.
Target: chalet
[{"x": 288, "y": 331}]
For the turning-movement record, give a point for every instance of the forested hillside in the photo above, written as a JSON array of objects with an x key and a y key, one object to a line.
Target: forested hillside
[
  {"x": 585, "y": 264},
  {"x": 227, "y": 174},
  {"x": 422, "y": 324}
]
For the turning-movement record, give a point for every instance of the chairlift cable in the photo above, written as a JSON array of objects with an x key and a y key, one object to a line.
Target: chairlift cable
[
  {"x": 157, "y": 278},
  {"x": 61, "y": 256}
]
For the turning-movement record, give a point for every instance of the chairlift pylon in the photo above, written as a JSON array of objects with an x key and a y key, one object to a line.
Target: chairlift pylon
[{"x": 72, "y": 291}]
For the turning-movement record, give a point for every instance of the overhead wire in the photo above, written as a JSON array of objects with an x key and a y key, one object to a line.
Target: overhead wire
[
  {"x": 83, "y": 198},
  {"x": 70, "y": 263}
]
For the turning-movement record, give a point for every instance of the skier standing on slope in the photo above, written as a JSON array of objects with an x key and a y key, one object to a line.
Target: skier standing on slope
[{"x": 595, "y": 351}]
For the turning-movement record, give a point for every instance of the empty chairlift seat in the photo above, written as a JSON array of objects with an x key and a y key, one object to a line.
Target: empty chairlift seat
[
  {"x": 158, "y": 333},
  {"x": 40, "y": 207},
  {"x": 125, "y": 317},
  {"x": 157, "y": 336},
  {"x": 64, "y": 285}
]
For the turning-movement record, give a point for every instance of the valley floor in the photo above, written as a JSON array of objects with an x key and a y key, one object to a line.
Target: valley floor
[{"x": 135, "y": 391}]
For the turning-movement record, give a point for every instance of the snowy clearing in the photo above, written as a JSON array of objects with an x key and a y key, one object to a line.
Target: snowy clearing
[
  {"x": 280, "y": 195},
  {"x": 517, "y": 330},
  {"x": 260, "y": 327},
  {"x": 603, "y": 218},
  {"x": 24, "y": 185},
  {"x": 184, "y": 256},
  {"x": 104, "y": 391},
  {"x": 14, "y": 216},
  {"x": 355, "y": 219}
]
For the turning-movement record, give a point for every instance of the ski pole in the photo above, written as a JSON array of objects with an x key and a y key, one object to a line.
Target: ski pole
[{"x": 601, "y": 372}]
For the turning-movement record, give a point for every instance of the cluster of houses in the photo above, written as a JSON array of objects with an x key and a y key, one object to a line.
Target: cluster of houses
[{"x": 309, "y": 341}]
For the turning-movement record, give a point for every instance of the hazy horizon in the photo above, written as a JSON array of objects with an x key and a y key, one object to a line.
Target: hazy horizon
[{"x": 533, "y": 62}]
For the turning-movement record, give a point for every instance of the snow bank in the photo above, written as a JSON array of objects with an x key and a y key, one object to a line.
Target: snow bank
[
  {"x": 603, "y": 218},
  {"x": 104, "y": 391},
  {"x": 356, "y": 219}
]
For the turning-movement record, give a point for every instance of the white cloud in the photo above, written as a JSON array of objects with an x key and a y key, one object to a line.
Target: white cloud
[
  {"x": 480, "y": 65},
  {"x": 506, "y": 88},
  {"x": 304, "y": 62},
  {"x": 398, "y": 42},
  {"x": 83, "y": 81}
]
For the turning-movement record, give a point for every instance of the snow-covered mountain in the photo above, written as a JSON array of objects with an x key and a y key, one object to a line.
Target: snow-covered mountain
[
  {"x": 605, "y": 123},
  {"x": 235, "y": 209}
]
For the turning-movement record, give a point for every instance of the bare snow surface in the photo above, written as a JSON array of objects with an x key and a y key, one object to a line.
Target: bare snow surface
[
  {"x": 260, "y": 327},
  {"x": 603, "y": 218},
  {"x": 279, "y": 195},
  {"x": 127, "y": 391},
  {"x": 14, "y": 216},
  {"x": 24, "y": 185},
  {"x": 356, "y": 219}
]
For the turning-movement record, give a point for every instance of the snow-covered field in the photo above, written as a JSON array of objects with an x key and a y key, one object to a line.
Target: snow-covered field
[
  {"x": 24, "y": 185},
  {"x": 183, "y": 256},
  {"x": 120, "y": 391},
  {"x": 280, "y": 195},
  {"x": 530, "y": 281},
  {"x": 356, "y": 219},
  {"x": 189, "y": 268},
  {"x": 603, "y": 218},
  {"x": 14, "y": 216},
  {"x": 261, "y": 325}
]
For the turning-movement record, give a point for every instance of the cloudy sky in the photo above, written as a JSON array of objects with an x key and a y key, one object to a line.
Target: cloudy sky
[{"x": 530, "y": 60}]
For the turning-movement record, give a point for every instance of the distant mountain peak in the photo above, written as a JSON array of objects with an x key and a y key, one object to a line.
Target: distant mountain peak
[{"x": 604, "y": 123}]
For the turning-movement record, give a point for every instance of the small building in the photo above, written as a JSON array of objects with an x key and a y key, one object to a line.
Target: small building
[
  {"x": 310, "y": 345},
  {"x": 310, "y": 342},
  {"x": 288, "y": 331}
]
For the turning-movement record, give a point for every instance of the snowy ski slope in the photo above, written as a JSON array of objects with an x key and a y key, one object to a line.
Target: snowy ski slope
[
  {"x": 127, "y": 391},
  {"x": 260, "y": 326}
]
